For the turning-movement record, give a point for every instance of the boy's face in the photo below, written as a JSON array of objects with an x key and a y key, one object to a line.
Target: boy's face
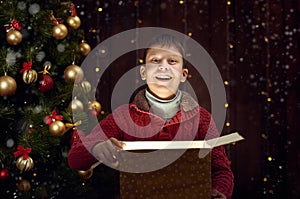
[{"x": 163, "y": 71}]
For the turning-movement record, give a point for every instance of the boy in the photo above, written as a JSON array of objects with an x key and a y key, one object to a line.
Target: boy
[{"x": 163, "y": 105}]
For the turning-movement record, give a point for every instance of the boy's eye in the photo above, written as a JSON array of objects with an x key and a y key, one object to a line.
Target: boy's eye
[
  {"x": 172, "y": 61},
  {"x": 155, "y": 60}
]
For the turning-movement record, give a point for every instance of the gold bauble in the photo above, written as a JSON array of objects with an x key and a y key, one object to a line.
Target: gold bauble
[
  {"x": 8, "y": 85},
  {"x": 73, "y": 22},
  {"x": 59, "y": 31},
  {"x": 86, "y": 86},
  {"x": 30, "y": 76},
  {"x": 57, "y": 128},
  {"x": 76, "y": 105},
  {"x": 95, "y": 106},
  {"x": 24, "y": 185},
  {"x": 24, "y": 165},
  {"x": 13, "y": 37},
  {"x": 85, "y": 174},
  {"x": 73, "y": 73},
  {"x": 85, "y": 48}
]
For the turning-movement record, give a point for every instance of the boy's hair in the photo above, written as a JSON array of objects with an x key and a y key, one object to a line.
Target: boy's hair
[{"x": 166, "y": 40}]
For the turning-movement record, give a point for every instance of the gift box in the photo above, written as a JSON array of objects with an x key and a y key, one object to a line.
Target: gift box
[{"x": 168, "y": 169}]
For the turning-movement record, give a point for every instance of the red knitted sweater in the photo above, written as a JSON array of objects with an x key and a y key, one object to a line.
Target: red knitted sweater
[{"x": 134, "y": 122}]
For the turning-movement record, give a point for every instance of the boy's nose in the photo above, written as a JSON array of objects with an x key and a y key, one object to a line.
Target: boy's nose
[{"x": 164, "y": 65}]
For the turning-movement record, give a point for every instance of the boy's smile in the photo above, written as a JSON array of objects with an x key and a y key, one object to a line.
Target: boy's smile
[{"x": 163, "y": 71}]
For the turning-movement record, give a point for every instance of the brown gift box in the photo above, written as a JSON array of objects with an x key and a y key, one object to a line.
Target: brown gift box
[
  {"x": 178, "y": 169},
  {"x": 187, "y": 177}
]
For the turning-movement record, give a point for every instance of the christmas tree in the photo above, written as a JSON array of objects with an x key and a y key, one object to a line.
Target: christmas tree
[{"x": 41, "y": 49}]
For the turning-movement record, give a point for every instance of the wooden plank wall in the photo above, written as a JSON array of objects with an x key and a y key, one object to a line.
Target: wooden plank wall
[{"x": 261, "y": 66}]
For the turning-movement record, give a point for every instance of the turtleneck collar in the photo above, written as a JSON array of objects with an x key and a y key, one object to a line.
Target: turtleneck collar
[{"x": 164, "y": 108}]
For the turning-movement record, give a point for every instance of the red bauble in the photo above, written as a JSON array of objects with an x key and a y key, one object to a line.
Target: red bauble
[
  {"x": 4, "y": 173},
  {"x": 46, "y": 83}
]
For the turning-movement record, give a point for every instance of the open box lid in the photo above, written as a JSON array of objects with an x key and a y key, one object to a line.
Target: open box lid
[
  {"x": 176, "y": 169},
  {"x": 198, "y": 144}
]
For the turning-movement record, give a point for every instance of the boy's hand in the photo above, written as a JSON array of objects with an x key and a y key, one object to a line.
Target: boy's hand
[
  {"x": 217, "y": 195},
  {"x": 107, "y": 152}
]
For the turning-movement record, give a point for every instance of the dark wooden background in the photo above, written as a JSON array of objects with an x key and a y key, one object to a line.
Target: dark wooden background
[{"x": 256, "y": 48}]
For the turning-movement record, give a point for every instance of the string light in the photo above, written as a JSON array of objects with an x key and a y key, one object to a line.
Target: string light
[
  {"x": 229, "y": 3},
  {"x": 141, "y": 61},
  {"x": 226, "y": 83},
  {"x": 181, "y": 2},
  {"x": 271, "y": 191},
  {"x": 227, "y": 124},
  {"x": 190, "y": 34},
  {"x": 97, "y": 70},
  {"x": 270, "y": 159},
  {"x": 100, "y": 9},
  {"x": 226, "y": 105},
  {"x": 266, "y": 39},
  {"x": 264, "y": 136}
]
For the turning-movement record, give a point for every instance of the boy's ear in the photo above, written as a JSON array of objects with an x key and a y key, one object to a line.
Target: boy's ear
[
  {"x": 185, "y": 73},
  {"x": 142, "y": 72}
]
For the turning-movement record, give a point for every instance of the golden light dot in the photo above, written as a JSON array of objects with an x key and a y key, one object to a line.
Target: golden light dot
[
  {"x": 190, "y": 34},
  {"x": 230, "y": 46},
  {"x": 263, "y": 24},
  {"x": 272, "y": 115},
  {"x": 226, "y": 105},
  {"x": 232, "y": 21},
  {"x": 227, "y": 123},
  {"x": 141, "y": 61},
  {"x": 100, "y": 9},
  {"x": 83, "y": 184},
  {"x": 140, "y": 21},
  {"x": 103, "y": 51},
  {"x": 34, "y": 174},
  {"x": 181, "y": 2},
  {"x": 132, "y": 41},
  {"x": 270, "y": 159},
  {"x": 94, "y": 31},
  {"x": 226, "y": 83},
  {"x": 269, "y": 99},
  {"x": 271, "y": 191},
  {"x": 229, "y": 3},
  {"x": 262, "y": 92},
  {"x": 265, "y": 179},
  {"x": 97, "y": 70},
  {"x": 264, "y": 136},
  {"x": 270, "y": 85},
  {"x": 266, "y": 39},
  {"x": 190, "y": 76},
  {"x": 102, "y": 112}
]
